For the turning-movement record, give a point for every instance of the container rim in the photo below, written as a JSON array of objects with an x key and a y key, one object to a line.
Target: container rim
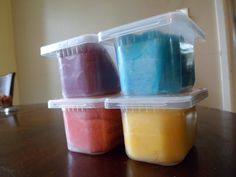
[
  {"x": 87, "y": 102},
  {"x": 177, "y": 101},
  {"x": 52, "y": 49},
  {"x": 151, "y": 23},
  {"x": 77, "y": 103}
]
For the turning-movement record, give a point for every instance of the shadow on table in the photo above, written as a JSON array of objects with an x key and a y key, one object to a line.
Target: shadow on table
[
  {"x": 117, "y": 164},
  {"x": 109, "y": 164},
  {"x": 189, "y": 167}
]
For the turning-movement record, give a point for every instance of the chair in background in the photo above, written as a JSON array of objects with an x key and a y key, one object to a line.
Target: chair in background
[{"x": 7, "y": 88}]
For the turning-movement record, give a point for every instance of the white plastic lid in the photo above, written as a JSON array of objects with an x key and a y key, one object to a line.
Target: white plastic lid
[
  {"x": 177, "y": 101},
  {"x": 52, "y": 49},
  {"x": 183, "y": 25},
  {"x": 77, "y": 103}
]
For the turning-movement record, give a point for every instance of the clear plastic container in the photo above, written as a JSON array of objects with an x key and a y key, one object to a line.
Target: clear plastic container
[
  {"x": 89, "y": 127},
  {"x": 159, "y": 129},
  {"x": 86, "y": 68},
  {"x": 155, "y": 55}
]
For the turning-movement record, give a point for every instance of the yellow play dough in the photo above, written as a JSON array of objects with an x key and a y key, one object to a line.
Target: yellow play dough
[{"x": 160, "y": 136}]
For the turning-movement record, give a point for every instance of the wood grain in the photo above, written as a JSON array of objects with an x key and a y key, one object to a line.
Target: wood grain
[{"x": 33, "y": 144}]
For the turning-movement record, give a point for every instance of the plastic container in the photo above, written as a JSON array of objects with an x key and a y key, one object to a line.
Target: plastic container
[
  {"x": 159, "y": 129},
  {"x": 89, "y": 128},
  {"x": 86, "y": 68},
  {"x": 155, "y": 55}
]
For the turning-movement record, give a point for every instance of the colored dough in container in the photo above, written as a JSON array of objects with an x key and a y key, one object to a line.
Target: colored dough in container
[
  {"x": 159, "y": 129},
  {"x": 163, "y": 63},
  {"x": 89, "y": 127},
  {"x": 155, "y": 55},
  {"x": 162, "y": 136},
  {"x": 86, "y": 67},
  {"x": 92, "y": 131}
]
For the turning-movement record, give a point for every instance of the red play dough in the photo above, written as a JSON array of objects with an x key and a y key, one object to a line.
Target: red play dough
[{"x": 92, "y": 131}]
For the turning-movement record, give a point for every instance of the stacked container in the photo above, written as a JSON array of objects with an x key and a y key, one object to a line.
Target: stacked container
[
  {"x": 86, "y": 68},
  {"x": 159, "y": 129},
  {"x": 89, "y": 127},
  {"x": 155, "y": 55},
  {"x": 155, "y": 59},
  {"x": 88, "y": 75}
]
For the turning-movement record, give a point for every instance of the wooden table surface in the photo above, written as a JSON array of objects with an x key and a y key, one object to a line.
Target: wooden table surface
[{"x": 33, "y": 144}]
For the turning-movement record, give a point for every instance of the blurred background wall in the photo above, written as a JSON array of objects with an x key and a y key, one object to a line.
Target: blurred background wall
[
  {"x": 7, "y": 52},
  {"x": 37, "y": 23}
]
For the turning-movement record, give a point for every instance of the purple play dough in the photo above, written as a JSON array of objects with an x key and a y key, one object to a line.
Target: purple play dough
[{"x": 87, "y": 70}]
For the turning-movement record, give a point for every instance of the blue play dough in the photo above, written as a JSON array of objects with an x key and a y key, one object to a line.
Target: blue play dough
[{"x": 153, "y": 63}]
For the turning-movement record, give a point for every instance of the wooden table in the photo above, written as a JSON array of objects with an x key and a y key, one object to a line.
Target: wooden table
[{"x": 33, "y": 144}]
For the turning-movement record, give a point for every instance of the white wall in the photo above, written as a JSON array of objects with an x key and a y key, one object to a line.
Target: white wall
[
  {"x": 228, "y": 20},
  {"x": 38, "y": 23}
]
